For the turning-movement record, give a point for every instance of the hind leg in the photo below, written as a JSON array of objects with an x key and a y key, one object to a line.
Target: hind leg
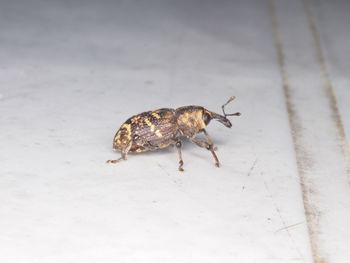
[{"x": 124, "y": 153}]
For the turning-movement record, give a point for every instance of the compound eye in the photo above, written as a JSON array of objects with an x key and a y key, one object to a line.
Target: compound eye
[
  {"x": 135, "y": 137},
  {"x": 206, "y": 118}
]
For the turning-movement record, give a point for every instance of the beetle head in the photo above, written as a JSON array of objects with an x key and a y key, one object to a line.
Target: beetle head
[{"x": 209, "y": 115}]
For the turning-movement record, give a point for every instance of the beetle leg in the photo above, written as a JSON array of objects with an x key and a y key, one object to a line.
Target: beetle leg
[
  {"x": 208, "y": 144},
  {"x": 178, "y": 145},
  {"x": 124, "y": 153},
  {"x": 209, "y": 140}
]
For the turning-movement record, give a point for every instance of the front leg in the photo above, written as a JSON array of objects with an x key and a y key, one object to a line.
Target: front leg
[
  {"x": 124, "y": 153},
  {"x": 208, "y": 144}
]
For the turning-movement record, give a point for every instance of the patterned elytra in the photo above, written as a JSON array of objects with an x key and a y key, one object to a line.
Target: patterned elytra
[
  {"x": 149, "y": 130},
  {"x": 160, "y": 128}
]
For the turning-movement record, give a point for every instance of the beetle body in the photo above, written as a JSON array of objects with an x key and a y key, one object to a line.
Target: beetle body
[{"x": 161, "y": 128}]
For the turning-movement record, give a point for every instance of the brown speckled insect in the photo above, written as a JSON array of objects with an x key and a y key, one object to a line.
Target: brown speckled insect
[{"x": 158, "y": 129}]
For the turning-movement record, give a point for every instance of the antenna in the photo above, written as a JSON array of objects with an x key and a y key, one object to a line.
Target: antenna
[{"x": 231, "y": 114}]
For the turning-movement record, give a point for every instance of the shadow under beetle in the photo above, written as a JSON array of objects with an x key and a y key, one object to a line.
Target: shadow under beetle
[{"x": 160, "y": 128}]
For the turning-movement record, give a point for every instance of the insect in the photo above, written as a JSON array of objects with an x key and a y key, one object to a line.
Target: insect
[{"x": 161, "y": 128}]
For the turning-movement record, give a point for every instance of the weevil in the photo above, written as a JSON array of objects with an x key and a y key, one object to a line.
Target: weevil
[{"x": 152, "y": 130}]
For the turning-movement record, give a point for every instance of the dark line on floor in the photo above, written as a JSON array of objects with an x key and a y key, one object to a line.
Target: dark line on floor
[
  {"x": 311, "y": 212},
  {"x": 342, "y": 140}
]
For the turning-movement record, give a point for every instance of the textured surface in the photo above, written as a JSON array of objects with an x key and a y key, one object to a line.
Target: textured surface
[{"x": 71, "y": 72}]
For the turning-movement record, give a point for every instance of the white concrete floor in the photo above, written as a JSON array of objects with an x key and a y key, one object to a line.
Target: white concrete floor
[{"x": 71, "y": 72}]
